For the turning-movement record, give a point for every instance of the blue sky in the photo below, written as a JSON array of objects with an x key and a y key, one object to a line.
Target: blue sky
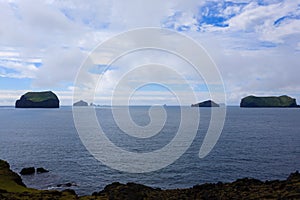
[{"x": 255, "y": 44}]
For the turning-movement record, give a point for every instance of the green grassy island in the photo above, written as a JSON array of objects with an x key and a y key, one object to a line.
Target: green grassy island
[
  {"x": 271, "y": 102},
  {"x": 12, "y": 188},
  {"x": 45, "y": 99}
]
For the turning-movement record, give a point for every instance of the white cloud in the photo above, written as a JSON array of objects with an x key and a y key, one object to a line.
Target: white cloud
[
  {"x": 9, "y": 54},
  {"x": 58, "y": 34},
  {"x": 298, "y": 46},
  {"x": 279, "y": 34},
  {"x": 18, "y": 70},
  {"x": 94, "y": 14},
  {"x": 9, "y": 97},
  {"x": 33, "y": 24},
  {"x": 60, "y": 66},
  {"x": 231, "y": 10},
  {"x": 262, "y": 72},
  {"x": 260, "y": 19}
]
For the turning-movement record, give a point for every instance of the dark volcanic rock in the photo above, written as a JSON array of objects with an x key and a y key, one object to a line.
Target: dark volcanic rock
[
  {"x": 271, "y": 102},
  {"x": 27, "y": 171},
  {"x": 11, "y": 188},
  {"x": 38, "y": 100},
  {"x": 208, "y": 103},
  {"x": 81, "y": 103},
  {"x": 67, "y": 184},
  {"x": 245, "y": 188},
  {"x": 41, "y": 170},
  {"x": 132, "y": 191},
  {"x": 72, "y": 192},
  {"x": 8, "y": 175}
]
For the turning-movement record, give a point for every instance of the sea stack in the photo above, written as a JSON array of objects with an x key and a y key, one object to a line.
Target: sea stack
[
  {"x": 81, "y": 103},
  {"x": 208, "y": 103},
  {"x": 46, "y": 99}
]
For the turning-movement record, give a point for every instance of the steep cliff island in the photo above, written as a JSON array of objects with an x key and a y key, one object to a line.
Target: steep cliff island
[
  {"x": 12, "y": 188},
  {"x": 268, "y": 102},
  {"x": 45, "y": 99}
]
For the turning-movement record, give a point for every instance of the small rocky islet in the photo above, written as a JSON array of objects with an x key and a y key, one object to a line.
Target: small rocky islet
[
  {"x": 208, "y": 103},
  {"x": 283, "y": 101},
  {"x": 13, "y": 188},
  {"x": 80, "y": 103}
]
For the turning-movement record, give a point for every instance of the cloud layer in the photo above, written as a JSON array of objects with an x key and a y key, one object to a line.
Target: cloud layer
[{"x": 256, "y": 44}]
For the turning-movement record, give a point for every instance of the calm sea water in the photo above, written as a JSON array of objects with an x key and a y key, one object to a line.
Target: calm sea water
[{"x": 258, "y": 143}]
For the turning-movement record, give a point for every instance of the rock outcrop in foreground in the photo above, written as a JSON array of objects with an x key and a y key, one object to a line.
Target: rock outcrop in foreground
[
  {"x": 208, "y": 103},
  {"x": 12, "y": 187},
  {"x": 269, "y": 102},
  {"x": 45, "y": 99},
  {"x": 27, "y": 171}
]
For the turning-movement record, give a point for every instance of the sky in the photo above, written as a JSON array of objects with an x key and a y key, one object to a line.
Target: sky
[{"x": 255, "y": 45}]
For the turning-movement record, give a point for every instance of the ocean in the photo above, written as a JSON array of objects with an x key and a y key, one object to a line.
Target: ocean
[{"x": 261, "y": 143}]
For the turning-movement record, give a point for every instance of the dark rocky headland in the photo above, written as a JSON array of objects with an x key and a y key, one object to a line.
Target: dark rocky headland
[
  {"x": 46, "y": 99},
  {"x": 208, "y": 103},
  {"x": 12, "y": 188},
  {"x": 269, "y": 102}
]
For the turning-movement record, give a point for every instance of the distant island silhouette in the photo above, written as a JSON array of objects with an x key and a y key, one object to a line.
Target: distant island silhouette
[
  {"x": 208, "y": 103},
  {"x": 269, "y": 102},
  {"x": 80, "y": 103},
  {"x": 45, "y": 99}
]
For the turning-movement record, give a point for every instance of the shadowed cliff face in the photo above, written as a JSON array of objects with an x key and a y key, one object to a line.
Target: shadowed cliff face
[
  {"x": 38, "y": 100},
  {"x": 8, "y": 176},
  {"x": 265, "y": 102},
  {"x": 12, "y": 187}
]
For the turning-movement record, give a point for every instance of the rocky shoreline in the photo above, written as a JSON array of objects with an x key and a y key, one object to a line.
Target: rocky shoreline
[{"x": 12, "y": 187}]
